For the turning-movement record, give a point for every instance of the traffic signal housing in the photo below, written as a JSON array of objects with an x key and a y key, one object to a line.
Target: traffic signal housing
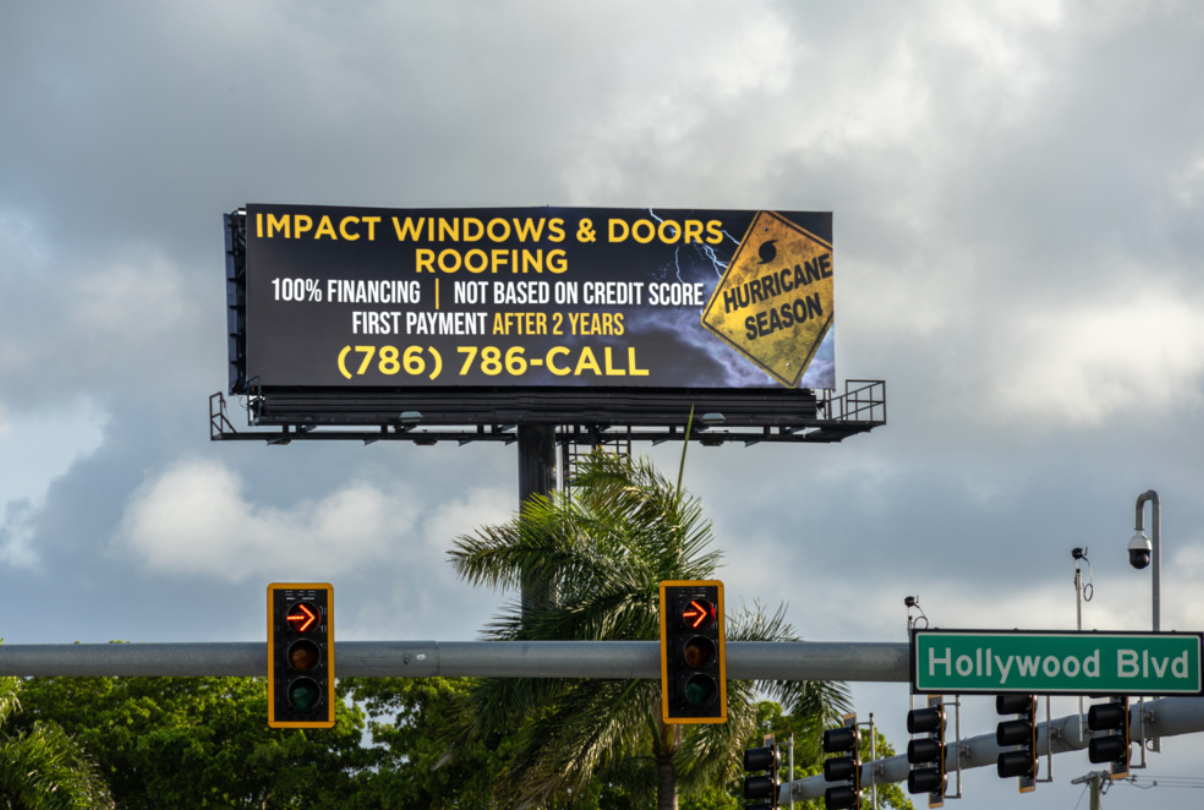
[
  {"x": 300, "y": 655},
  {"x": 693, "y": 656},
  {"x": 1113, "y": 746},
  {"x": 1021, "y": 732},
  {"x": 844, "y": 769},
  {"x": 767, "y": 785},
  {"x": 926, "y": 755}
]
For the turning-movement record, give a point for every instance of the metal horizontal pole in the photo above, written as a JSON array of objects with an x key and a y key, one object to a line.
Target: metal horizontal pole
[
  {"x": 1163, "y": 718},
  {"x": 756, "y": 435},
  {"x": 816, "y": 661},
  {"x": 746, "y": 660}
]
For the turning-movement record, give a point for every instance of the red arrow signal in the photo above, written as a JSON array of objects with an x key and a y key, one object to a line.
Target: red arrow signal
[
  {"x": 698, "y": 613},
  {"x": 302, "y": 617}
]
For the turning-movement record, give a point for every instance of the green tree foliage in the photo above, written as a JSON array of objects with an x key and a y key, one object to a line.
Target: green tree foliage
[
  {"x": 409, "y": 720},
  {"x": 889, "y": 795},
  {"x": 41, "y": 767},
  {"x": 599, "y": 556},
  {"x": 199, "y": 742},
  {"x": 808, "y": 761},
  {"x": 809, "y": 755}
]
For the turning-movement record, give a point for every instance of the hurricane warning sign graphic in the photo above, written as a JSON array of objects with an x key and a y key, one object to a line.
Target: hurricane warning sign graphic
[{"x": 775, "y": 302}]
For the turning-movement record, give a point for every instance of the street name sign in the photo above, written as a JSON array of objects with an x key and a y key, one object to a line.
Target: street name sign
[{"x": 997, "y": 662}]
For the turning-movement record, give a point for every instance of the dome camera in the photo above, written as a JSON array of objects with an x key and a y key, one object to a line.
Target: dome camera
[{"x": 1139, "y": 551}]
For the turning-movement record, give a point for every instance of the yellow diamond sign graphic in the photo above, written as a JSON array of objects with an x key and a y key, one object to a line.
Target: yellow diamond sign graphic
[{"x": 774, "y": 303}]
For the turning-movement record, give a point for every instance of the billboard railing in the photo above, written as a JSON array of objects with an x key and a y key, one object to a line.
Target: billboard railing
[
  {"x": 862, "y": 401},
  {"x": 219, "y": 424},
  {"x": 271, "y": 418}
]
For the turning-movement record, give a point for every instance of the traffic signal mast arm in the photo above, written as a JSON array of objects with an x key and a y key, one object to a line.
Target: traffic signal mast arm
[
  {"x": 1166, "y": 717},
  {"x": 878, "y": 662}
]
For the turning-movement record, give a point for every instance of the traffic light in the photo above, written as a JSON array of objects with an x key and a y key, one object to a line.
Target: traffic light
[
  {"x": 845, "y": 740},
  {"x": 300, "y": 655},
  {"x": 1113, "y": 747},
  {"x": 1021, "y": 732},
  {"x": 693, "y": 665},
  {"x": 927, "y": 752},
  {"x": 763, "y": 787}
]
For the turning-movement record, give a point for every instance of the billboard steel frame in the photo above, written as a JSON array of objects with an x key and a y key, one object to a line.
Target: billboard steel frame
[{"x": 281, "y": 418}]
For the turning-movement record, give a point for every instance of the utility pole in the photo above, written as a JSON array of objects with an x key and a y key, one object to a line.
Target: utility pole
[{"x": 1095, "y": 782}]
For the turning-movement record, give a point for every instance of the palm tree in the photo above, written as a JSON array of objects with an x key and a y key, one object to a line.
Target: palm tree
[
  {"x": 44, "y": 768},
  {"x": 602, "y": 553}
]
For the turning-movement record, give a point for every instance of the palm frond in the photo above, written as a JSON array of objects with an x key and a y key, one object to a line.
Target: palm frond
[
  {"x": 45, "y": 769},
  {"x": 9, "y": 702},
  {"x": 824, "y": 701},
  {"x": 592, "y": 727},
  {"x": 602, "y": 551}
]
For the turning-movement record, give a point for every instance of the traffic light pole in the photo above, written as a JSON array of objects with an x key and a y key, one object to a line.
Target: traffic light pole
[
  {"x": 1169, "y": 717},
  {"x": 746, "y": 660}
]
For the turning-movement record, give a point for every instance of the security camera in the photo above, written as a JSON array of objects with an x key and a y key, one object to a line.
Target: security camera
[
  {"x": 1139, "y": 551},
  {"x": 1078, "y": 553}
]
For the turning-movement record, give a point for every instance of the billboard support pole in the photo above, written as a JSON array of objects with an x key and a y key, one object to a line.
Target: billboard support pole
[{"x": 536, "y": 477}]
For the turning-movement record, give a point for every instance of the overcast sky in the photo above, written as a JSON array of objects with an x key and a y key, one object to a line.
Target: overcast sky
[{"x": 1018, "y": 199}]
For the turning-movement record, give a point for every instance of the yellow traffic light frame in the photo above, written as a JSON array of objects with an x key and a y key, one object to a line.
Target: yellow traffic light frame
[
  {"x": 721, "y": 715},
  {"x": 327, "y": 637}
]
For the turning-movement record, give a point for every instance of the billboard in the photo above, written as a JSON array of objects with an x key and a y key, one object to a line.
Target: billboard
[{"x": 545, "y": 298}]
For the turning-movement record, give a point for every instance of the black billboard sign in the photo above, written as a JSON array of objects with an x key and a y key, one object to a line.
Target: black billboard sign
[{"x": 372, "y": 298}]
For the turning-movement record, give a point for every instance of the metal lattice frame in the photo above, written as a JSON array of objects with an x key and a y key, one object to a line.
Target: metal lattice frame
[{"x": 581, "y": 417}]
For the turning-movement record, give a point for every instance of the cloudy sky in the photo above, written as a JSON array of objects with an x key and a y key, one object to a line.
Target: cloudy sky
[{"x": 1018, "y": 193}]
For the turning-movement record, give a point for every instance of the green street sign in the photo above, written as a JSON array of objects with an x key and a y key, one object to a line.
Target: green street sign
[{"x": 998, "y": 662}]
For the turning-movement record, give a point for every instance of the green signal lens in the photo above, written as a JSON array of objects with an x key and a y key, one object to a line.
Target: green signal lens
[
  {"x": 700, "y": 690},
  {"x": 304, "y": 693}
]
